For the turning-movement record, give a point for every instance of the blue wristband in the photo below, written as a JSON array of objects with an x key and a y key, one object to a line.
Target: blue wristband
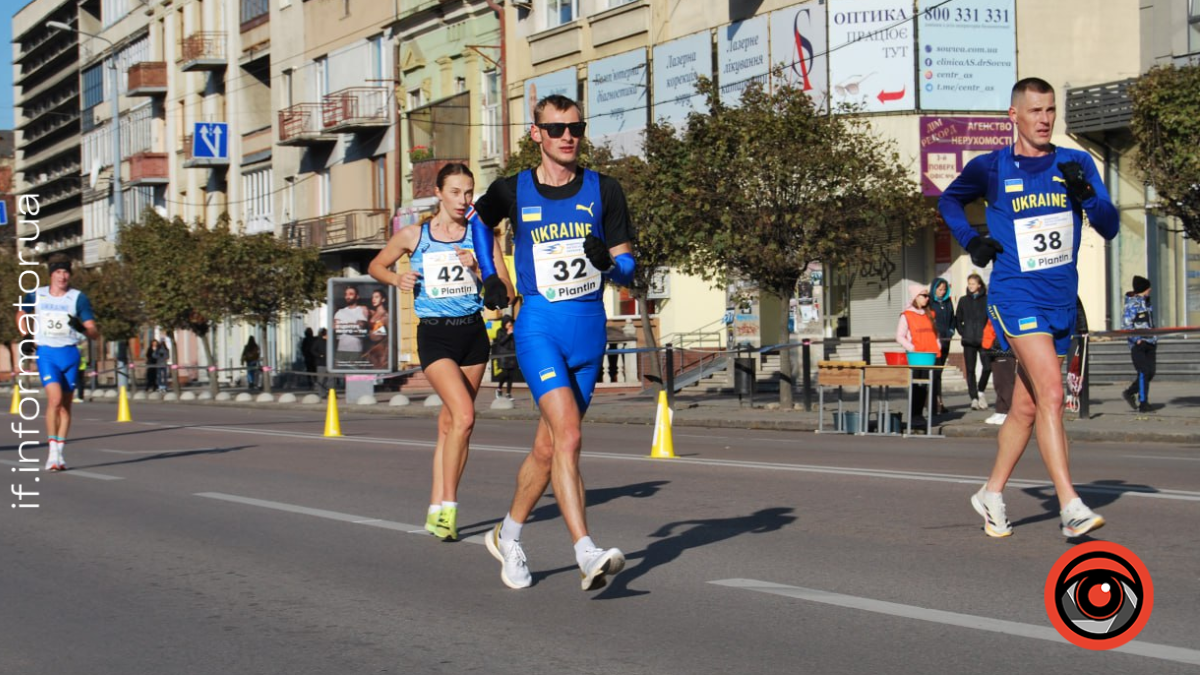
[
  {"x": 484, "y": 242},
  {"x": 622, "y": 270}
]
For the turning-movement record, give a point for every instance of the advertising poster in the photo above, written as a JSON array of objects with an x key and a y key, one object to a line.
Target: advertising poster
[
  {"x": 563, "y": 82},
  {"x": 362, "y": 335},
  {"x": 677, "y": 66},
  {"x": 968, "y": 54},
  {"x": 743, "y": 57},
  {"x": 948, "y": 143},
  {"x": 798, "y": 46},
  {"x": 617, "y": 101},
  {"x": 871, "y": 57}
]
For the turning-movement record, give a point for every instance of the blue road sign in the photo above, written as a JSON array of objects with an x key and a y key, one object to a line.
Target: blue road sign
[
  {"x": 210, "y": 140},
  {"x": 3, "y": 211}
]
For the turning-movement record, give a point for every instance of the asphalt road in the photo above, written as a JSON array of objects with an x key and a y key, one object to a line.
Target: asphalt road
[{"x": 224, "y": 540}]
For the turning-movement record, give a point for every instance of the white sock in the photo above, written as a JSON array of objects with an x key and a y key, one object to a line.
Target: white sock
[
  {"x": 510, "y": 530},
  {"x": 434, "y": 508},
  {"x": 449, "y": 505},
  {"x": 582, "y": 546}
]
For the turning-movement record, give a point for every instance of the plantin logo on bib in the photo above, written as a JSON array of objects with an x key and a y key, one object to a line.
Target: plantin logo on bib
[{"x": 1028, "y": 323}]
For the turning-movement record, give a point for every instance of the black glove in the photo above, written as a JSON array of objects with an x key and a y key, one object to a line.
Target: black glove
[
  {"x": 1078, "y": 188},
  {"x": 74, "y": 322},
  {"x": 983, "y": 250},
  {"x": 597, "y": 252},
  {"x": 495, "y": 294}
]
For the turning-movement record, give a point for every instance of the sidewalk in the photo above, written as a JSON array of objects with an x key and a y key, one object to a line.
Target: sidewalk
[{"x": 1176, "y": 416}]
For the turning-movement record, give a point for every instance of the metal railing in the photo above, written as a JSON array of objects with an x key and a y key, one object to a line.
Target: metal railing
[
  {"x": 203, "y": 46},
  {"x": 355, "y": 106},
  {"x": 363, "y": 226}
]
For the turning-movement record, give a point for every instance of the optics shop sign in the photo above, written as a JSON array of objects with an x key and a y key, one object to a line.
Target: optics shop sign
[
  {"x": 948, "y": 143},
  {"x": 871, "y": 54}
]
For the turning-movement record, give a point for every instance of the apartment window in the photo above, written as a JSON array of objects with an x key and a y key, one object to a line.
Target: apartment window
[
  {"x": 287, "y": 88},
  {"x": 137, "y": 130},
  {"x": 322, "y": 77},
  {"x": 379, "y": 172},
  {"x": 493, "y": 121},
  {"x": 416, "y": 98},
  {"x": 93, "y": 87},
  {"x": 559, "y": 12},
  {"x": 1193, "y": 26},
  {"x": 259, "y": 210},
  {"x": 112, "y": 11},
  {"x": 137, "y": 199},
  {"x": 617, "y": 3},
  {"x": 376, "y": 43},
  {"x": 252, "y": 9},
  {"x": 324, "y": 192},
  {"x": 629, "y": 305}
]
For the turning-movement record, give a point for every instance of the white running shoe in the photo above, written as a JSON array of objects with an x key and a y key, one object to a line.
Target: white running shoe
[
  {"x": 982, "y": 401},
  {"x": 991, "y": 507},
  {"x": 600, "y": 563},
  {"x": 974, "y": 404},
  {"x": 514, "y": 571},
  {"x": 996, "y": 418},
  {"x": 52, "y": 461},
  {"x": 1078, "y": 519}
]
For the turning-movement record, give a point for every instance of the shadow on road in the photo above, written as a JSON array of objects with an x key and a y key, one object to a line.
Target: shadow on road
[
  {"x": 1097, "y": 495},
  {"x": 167, "y": 455},
  {"x": 595, "y": 497},
  {"x": 692, "y": 534}
]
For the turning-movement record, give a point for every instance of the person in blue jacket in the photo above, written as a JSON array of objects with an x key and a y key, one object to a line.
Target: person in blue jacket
[
  {"x": 1143, "y": 349},
  {"x": 1036, "y": 195},
  {"x": 571, "y": 233}
]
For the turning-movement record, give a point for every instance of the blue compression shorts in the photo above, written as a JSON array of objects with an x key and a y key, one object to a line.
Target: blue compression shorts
[
  {"x": 1016, "y": 320},
  {"x": 561, "y": 345},
  {"x": 58, "y": 365}
]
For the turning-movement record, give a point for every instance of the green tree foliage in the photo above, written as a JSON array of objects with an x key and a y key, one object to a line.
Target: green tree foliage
[
  {"x": 773, "y": 184},
  {"x": 116, "y": 300},
  {"x": 274, "y": 278},
  {"x": 1166, "y": 126}
]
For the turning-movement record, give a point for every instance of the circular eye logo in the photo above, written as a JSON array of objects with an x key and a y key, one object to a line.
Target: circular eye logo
[{"x": 1099, "y": 595}]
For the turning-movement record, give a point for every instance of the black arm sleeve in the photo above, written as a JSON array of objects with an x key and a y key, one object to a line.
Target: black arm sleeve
[
  {"x": 499, "y": 202},
  {"x": 618, "y": 228}
]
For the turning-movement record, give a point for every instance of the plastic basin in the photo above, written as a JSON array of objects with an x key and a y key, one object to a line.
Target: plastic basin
[
  {"x": 922, "y": 358},
  {"x": 895, "y": 358}
]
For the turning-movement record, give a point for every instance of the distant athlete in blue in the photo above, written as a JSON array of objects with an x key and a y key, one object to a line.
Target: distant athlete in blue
[
  {"x": 571, "y": 232},
  {"x": 57, "y": 317},
  {"x": 1036, "y": 195}
]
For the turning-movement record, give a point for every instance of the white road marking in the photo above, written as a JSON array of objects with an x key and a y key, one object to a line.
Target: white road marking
[
  {"x": 1124, "y": 491},
  {"x": 156, "y": 452},
  {"x": 1135, "y": 647},
  {"x": 69, "y": 472},
  {"x": 1182, "y": 459},
  {"x": 329, "y": 515}
]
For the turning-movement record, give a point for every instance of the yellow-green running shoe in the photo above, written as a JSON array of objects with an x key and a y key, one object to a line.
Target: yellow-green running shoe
[
  {"x": 431, "y": 522},
  {"x": 446, "y": 528}
]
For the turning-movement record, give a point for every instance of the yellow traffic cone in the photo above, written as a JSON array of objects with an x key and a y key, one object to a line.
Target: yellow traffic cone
[
  {"x": 123, "y": 407},
  {"x": 333, "y": 427},
  {"x": 15, "y": 409},
  {"x": 664, "y": 445}
]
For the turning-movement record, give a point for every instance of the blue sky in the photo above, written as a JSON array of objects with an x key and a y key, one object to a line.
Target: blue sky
[{"x": 6, "y": 85}]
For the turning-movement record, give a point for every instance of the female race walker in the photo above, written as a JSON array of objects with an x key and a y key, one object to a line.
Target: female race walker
[{"x": 452, "y": 342}]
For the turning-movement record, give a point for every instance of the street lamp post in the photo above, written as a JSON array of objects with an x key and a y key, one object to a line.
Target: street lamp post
[{"x": 118, "y": 207}]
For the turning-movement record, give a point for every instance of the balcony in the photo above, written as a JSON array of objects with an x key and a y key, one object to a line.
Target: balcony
[
  {"x": 301, "y": 124},
  {"x": 192, "y": 162},
  {"x": 203, "y": 51},
  {"x": 355, "y": 109},
  {"x": 364, "y": 228},
  {"x": 424, "y": 175},
  {"x": 149, "y": 168},
  {"x": 148, "y": 79},
  {"x": 1099, "y": 108}
]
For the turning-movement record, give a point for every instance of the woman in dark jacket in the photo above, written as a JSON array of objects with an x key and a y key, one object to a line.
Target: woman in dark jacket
[
  {"x": 943, "y": 322},
  {"x": 504, "y": 351},
  {"x": 970, "y": 318},
  {"x": 156, "y": 361}
]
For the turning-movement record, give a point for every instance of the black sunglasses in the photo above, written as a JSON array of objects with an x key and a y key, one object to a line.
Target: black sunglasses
[{"x": 557, "y": 129}]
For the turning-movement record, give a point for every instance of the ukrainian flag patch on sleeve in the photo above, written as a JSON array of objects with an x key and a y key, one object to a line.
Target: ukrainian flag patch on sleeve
[{"x": 1014, "y": 185}]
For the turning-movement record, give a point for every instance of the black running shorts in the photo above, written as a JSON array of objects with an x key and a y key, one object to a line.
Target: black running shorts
[{"x": 462, "y": 339}]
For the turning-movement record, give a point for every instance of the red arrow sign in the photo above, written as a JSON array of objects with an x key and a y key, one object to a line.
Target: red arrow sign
[{"x": 885, "y": 96}]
